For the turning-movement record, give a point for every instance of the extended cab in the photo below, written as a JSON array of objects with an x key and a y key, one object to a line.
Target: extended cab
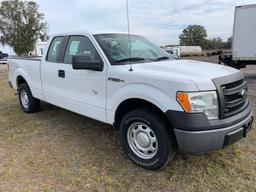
[{"x": 158, "y": 104}]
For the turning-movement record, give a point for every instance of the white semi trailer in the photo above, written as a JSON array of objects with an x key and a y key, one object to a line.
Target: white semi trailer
[{"x": 244, "y": 38}]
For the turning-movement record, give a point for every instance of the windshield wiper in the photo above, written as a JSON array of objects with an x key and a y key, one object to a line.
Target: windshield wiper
[
  {"x": 162, "y": 58},
  {"x": 132, "y": 59}
]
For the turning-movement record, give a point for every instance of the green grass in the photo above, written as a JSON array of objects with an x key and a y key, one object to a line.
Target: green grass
[{"x": 56, "y": 150}]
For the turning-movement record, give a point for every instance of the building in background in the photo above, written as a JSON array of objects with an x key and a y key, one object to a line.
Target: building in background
[
  {"x": 173, "y": 51},
  {"x": 39, "y": 49}
]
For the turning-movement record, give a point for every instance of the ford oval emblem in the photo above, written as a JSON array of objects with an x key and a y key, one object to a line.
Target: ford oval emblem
[{"x": 244, "y": 92}]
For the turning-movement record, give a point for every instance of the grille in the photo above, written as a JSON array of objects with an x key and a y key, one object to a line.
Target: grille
[{"x": 235, "y": 97}]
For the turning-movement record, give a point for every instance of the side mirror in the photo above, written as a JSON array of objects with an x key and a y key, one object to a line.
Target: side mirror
[{"x": 82, "y": 62}]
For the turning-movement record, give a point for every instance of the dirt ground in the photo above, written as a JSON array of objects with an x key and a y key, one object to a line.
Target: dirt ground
[{"x": 57, "y": 150}]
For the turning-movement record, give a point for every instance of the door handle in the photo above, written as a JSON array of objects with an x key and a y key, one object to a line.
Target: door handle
[{"x": 61, "y": 73}]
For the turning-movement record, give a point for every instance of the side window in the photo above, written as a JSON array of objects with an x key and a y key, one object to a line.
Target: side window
[
  {"x": 54, "y": 49},
  {"x": 80, "y": 46}
]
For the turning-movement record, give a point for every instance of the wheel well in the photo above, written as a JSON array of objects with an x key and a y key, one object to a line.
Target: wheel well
[
  {"x": 20, "y": 80},
  {"x": 131, "y": 104}
]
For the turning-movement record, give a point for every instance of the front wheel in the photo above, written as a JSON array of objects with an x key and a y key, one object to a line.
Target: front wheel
[{"x": 146, "y": 139}]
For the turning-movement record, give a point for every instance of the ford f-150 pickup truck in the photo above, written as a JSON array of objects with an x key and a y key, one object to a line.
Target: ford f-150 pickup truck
[{"x": 158, "y": 104}]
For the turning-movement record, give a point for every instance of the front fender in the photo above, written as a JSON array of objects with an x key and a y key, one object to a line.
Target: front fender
[{"x": 142, "y": 91}]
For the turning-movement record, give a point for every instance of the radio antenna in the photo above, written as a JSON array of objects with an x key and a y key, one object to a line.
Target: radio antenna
[{"x": 129, "y": 34}]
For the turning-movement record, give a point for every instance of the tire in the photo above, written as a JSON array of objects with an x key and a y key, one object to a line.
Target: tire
[
  {"x": 28, "y": 103},
  {"x": 146, "y": 139}
]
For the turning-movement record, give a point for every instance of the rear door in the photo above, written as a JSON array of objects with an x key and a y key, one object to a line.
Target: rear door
[{"x": 51, "y": 83}]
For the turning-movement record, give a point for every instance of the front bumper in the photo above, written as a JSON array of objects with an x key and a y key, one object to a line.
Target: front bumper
[{"x": 209, "y": 135}]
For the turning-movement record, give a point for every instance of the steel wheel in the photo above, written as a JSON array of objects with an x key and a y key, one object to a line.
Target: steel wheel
[
  {"x": 24, "y": 98},
  {"x": 28, "y": 103},
  {"x": 142, "y": 140}
]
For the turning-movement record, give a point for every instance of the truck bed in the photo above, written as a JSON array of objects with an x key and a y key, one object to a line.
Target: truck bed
[
  {"x": 29, "y": 67},
  {"x": 33, "y": 58}
]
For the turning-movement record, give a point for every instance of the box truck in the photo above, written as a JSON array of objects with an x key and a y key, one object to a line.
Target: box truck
[{"x": 244, "y": 38}]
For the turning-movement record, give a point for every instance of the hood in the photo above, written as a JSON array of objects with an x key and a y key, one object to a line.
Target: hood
[{"x": 201, "y": 73}]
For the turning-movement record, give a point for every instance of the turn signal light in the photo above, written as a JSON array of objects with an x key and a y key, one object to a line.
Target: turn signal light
[{"x": 183, "y": 99}]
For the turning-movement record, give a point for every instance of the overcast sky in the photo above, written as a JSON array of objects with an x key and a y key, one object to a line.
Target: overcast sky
[{"x": 160, "y": 20}]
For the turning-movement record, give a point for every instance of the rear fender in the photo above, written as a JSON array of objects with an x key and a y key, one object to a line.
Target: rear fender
[{"x": 20, "y": 72}]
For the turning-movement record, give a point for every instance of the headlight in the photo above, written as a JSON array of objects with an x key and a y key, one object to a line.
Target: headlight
[{"x": 204, "y": 102}]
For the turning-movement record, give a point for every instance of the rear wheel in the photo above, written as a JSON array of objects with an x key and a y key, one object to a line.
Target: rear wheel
[
  {"x": 146, "y": 139},
  {"x": 28, "y": 103}
]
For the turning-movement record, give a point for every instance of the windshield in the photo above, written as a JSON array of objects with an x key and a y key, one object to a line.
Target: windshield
[{"x": 116, "y": 48}]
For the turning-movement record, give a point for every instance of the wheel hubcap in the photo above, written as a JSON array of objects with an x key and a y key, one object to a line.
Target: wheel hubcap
[
  {"x": 142, "y": 140},
  {"x": 24, "y": 98}
]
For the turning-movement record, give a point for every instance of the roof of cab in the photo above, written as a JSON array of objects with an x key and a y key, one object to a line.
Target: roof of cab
[{"x": 89, "y": 33}]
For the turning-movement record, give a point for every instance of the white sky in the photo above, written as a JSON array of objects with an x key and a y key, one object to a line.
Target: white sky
[{"x": 160, "y": 20}]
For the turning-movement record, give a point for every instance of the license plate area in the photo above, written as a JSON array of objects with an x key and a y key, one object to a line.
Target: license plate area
[
  {"x": 238, "y": 134},
  {"x": 248, "y": 127},
  {"x": 234, "y": 136}
]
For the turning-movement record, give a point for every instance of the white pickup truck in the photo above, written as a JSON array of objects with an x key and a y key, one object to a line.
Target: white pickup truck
[{"x": 158, "y": 104}]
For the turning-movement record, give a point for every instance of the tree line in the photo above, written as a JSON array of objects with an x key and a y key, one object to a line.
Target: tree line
[{"x": 196, "y": 35}]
